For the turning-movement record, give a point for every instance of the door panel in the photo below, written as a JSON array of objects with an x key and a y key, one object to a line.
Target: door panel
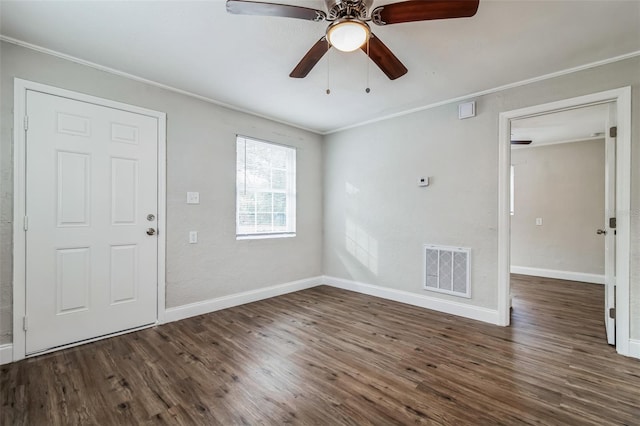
[
  {"x": 73, "y": 272},
  {"x": 124, "y": 191},
  {"x": 124, "y": 273},
  {"x": 74, "y": 173},
  {"x": 91, "y": 268}
]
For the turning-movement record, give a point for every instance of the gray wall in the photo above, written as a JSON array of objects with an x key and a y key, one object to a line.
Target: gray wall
[
  {"x": 369, "y": 182},
  {"x": 200, "y": 157},
  {"x": 383, "y": 160},
  {"x": 564, "y": 185}
]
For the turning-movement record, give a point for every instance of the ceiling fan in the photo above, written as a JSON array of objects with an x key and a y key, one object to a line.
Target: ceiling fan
[{"x": 349, "y": 29}]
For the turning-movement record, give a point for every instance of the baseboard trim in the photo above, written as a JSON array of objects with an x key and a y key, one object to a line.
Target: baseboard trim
[
  {"x": 441, "y": 305},
  {"x": 561, "y": 275},
  {"x": 634, "y": 348},
  {"x": 206, "y": 306},
  {"x": 6, "y": 353}
]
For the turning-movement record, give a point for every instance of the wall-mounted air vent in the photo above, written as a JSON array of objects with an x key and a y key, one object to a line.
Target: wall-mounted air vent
[{"x": 446, "y": 270}]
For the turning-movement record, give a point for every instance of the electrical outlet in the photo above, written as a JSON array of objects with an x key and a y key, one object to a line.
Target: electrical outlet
[{"x": 423, "y": 181}]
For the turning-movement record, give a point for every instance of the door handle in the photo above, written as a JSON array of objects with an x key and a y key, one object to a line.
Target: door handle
[
  {"x": 601, "y": 232},
  {"x": 151, "y": 231}
]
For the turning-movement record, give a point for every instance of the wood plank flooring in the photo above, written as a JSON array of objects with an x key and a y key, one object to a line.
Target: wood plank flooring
[{"x": 325, "y": 356}]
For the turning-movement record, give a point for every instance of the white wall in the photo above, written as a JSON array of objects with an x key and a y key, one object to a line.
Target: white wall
[
  {"x": 383, "y": 160},
  {"x": 200, "y": 157},
  {"x": 564, "y": 185}
]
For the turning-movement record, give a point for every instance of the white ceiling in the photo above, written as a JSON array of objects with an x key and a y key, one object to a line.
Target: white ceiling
[
  {"x": 559, "y": 127},
  {"x": 244, "y": 61}
]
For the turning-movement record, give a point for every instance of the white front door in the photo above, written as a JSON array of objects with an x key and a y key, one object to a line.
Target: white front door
[
  {"x": 610, "y": 231},
  {"x": 91, "y": 197}
]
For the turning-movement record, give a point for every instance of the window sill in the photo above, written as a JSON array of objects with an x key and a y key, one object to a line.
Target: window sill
[{"x": 265, "y": 236}]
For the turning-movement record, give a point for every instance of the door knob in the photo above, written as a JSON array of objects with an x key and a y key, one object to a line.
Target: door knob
[
  {"x": 601, "y": 232},
  {"x": 151, "y": 231}
]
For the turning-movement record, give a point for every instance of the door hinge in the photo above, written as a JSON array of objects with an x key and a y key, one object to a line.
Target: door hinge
[
  {"x": 26, "y": 122},
  {"x": 613, "y": 132},
  {"x": 25, "y": 323},
  {"x": 26, "y": 223},
  {"x": 612, "y": 223},
  {"x": 612, "y": 313}
]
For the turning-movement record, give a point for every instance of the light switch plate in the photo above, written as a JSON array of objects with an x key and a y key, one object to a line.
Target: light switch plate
[
  {"x": 193, "y": 237},
  {"x": 193, "y": 198},
  {"x": 538, "y": 221}
]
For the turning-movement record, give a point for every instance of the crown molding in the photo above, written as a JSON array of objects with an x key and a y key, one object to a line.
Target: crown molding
[
  {"x": 99, "y": 67},
  {"x": 490, "y": 91},
  {"x": 316, "y": 131}
]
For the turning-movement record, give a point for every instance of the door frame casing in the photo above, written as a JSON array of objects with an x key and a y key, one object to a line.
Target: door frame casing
[
  {"x": 19, "y": 198},
  {"x": 610, "y": 143},
  {"x": 622, "y": 98}
]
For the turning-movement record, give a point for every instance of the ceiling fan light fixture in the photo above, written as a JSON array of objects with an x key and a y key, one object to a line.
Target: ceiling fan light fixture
[{"x": 348, "y": 35}]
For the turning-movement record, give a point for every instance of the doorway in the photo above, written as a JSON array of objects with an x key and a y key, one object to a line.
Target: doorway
[
  {"x": 88, "y": 188},
  {"x": 562, "y": 195},
  {"x": 620, "y": 98}
]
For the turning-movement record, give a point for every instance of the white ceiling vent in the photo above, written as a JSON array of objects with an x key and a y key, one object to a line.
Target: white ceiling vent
[{"x": 446, "y": 270}]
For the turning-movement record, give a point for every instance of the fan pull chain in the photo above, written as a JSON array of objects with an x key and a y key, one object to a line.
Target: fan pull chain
[
  {"x": 328, "y": 72},
  {"x": 368, "y": 65}
]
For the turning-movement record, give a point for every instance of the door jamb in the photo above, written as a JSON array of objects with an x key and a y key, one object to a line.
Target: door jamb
[
  {"x": 19, "y": 198},
  {"x": 622, "y": 98}
]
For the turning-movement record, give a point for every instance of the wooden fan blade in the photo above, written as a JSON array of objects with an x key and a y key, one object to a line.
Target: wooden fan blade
[
  {"x": 311, "y": 58},
  {"x": 384, "y": 58},
  {"x": 241, "y": 7},
  {"x": 423, "y": 10}
]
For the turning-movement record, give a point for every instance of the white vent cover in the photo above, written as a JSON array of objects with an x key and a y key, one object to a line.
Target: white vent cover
[{"x": 446, "y": 269}]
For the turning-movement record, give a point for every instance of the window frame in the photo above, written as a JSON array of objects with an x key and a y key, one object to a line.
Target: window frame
[{"x": 289, "y": 191}]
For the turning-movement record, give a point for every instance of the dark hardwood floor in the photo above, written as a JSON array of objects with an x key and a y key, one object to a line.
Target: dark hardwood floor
[{"x": 328, "y": 357}]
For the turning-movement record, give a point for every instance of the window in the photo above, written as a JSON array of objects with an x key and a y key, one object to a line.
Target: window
[{"x": 265, "y": 189}]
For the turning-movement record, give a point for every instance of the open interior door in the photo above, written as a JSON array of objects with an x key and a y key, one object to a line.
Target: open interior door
[{"x": 609, "y": 230}]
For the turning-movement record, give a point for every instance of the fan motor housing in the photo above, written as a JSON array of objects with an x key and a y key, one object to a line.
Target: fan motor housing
[{"x": 358, "y": 9}]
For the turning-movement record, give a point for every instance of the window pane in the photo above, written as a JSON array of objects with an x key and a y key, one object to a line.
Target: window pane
[
  {"x": 279, "y": 219},
  {"x": 279, "y": 202},
  {"x": 279, "y": 179},
  {"x": 246, "y": 202},
  {"x": 240, "y": 162},
  {"x": 264, "y": 202},
  {"x": 247, "y": 219},
  {"x": 258, "y": 178},
  {"x": 264, "y": 222},
  {"x": 279, "y": 158}
]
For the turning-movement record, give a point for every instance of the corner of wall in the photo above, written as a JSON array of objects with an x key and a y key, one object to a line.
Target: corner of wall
[
  {"x": 6, "y": 354},
  {"x": 465, "y": 310},
  {"x": 207, "y": 306}
]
